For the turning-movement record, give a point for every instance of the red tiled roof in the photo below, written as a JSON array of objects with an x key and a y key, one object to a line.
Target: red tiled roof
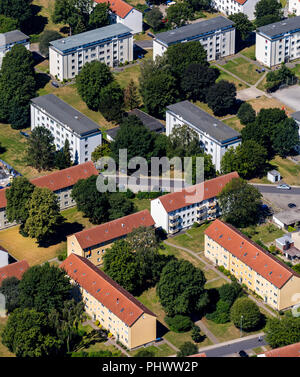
[
  {"x": 121, "y": 8},
  {"x": 242, "y": 2},
  {"x": 250, "y": 253},
  {"x": 104, "y": 289},
  {"x": 114, "y": 229},
  {"x": 202, "y": 354},
  {"x": 292, "y": 350},
  {"x": 59, "y": 179},
  {"x": 16, "y": 269},
  {"x": 204, "y": 190}
]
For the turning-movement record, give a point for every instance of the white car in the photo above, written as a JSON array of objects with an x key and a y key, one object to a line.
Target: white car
[{"x": 284, "y": 187}]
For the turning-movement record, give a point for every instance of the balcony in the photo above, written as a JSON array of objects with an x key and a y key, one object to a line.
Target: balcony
[
  {"x": 173, "y": 217},
  {"x": 212, "y": 211}
]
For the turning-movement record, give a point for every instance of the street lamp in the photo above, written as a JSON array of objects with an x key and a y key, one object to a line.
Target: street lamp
[{"x": 242, "y": 325}]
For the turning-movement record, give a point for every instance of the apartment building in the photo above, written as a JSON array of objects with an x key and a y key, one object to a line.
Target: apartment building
[
  {"x": 4, "y": 257},
  {"x": 117, "y": 310},
  {"x": 92, "y": 243},
  {"x": 196, "y": 204},
  {"x": 214, "y": 136},
  {"x": 229, "y": 7},
  {"x": 16, "y": 270},
  {"x": 278, "y": 42},
  {"x": 60, "y": 182},
  {"x": 217, "y": 36},
  {"x": 66, "y": 123},
  {"x": 271, "y": 279},
  {"x": 123, "y": 13},
  {"x": 111, "y": 45},
  {"x": 294, "y": 7},
  {"x": 10, "y": 39}
]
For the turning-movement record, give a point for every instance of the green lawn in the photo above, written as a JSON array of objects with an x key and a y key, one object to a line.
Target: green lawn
[
  {"x": 266, "y": 233},
  {"x": 249, "y": 52},
  {"x": 47, "y": 9},
  {"x": 141, "y": 204},
  {"x": 234, "y": 123},
  {"x": 181, "y": 254},
  {"x": 162, "y": 350},
  {"x": 225, "y": 76},
  {"x": 243, "y": 69},
  {"x": 216, "y": 283},
  {"x": 296, "y": 70},
  {"x": 130, "y": 73},
  {"x": 4, "y": 352}
]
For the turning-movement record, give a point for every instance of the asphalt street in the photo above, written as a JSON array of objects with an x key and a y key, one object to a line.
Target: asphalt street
[
  {"x": 280, "y": 198},
  {"x": 274, "y": 190}
]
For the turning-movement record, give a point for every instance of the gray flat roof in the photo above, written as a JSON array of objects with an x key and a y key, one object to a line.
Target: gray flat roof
[
  {"x": 90, "y": 37},
  {"x": 192, "y": 31},
  {"x": 66, "y": 114},
  {"x": 204, "y": 121},
  {"x": 288, "y": 217},
  {"x": 274, "y": 172},
  {"x": 280, "y": 28},
  {"x": 12, "y": 37},
  {"x": 296, "y": 116}
]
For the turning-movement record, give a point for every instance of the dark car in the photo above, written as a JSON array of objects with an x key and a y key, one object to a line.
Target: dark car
[
  {"x": 55, "y": 84},
  {"x": 242, "y": 353},
  {"x": 292, "y": 205}
]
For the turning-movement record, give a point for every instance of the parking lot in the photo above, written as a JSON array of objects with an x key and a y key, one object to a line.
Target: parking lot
[
  {"x": 280, "y": 198},
  {"x": 289, "y": 96}
]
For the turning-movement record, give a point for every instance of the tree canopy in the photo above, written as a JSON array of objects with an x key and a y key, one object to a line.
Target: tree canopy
[
  {"x": 242, "y": 25},
  {"x": 99, "y": 16},
  {"x": 46, "y": 37},
  {"x": 8, "y": 24},
  {"x": 178, "y": 14},
  {"x": 111, "y": 102},
  {"x": 221, "y": 97},
  {"x": 281, "y": 332},
  {"x": 10, "y": 289},
  {"x": 154, "y": 18},
  {"x": 267, "y": 12},
  {"x": 244, "y": 312},
  {"x": 19, "y": 10},
  {"x": 246, "y": 113}
]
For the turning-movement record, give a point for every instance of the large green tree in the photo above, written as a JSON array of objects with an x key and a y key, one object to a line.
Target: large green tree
[
  {"x": 10, "y": 289},
  {"x": 178, "y": 14},
  {"x": 99, "y": 16},
  {"x": 267, "y": 11},
  {"x": 244, "y": 312},
  {"x": 111, "y": 102},
  {"x": 186, "y": 349},
  {"x": 131, "y": 96},
  {"x": 240, "y": 203},
  {"x": 242, "y": 25},
  {"x": 181, "y": 288},
  {"x": 281, "y": 332},
  {"x": 92, "y": 78},
  {"x": 246, "y": 113},
  {"x": 43, "y": 214},
  {"x": 286, "y": 137},
  {"x": 184, "y": 141},
  {"x": 154, "y": 18},
  {"x": 119, "y": 205},
  {"x": 19, "y": 10},
  {"x": 8, "y": 24},
  {"x": 221, "y": 97},
  {"x": 63, "y": 158},
  {"x": 46, "y": 37}
]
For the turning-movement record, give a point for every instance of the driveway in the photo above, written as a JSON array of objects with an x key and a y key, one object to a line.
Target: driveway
[{"x": 289, "y": 96}]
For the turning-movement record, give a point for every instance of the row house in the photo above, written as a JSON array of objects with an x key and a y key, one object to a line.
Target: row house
[
  {"x": 117, "y": 310},
  {"x": 92, "y": 243},
  {"x": 196, "y": 204},
  {"x": 276, "y": 283}
]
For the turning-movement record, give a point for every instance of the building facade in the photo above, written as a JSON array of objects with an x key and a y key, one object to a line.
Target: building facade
[
  {"x": 66, "y": 123},
  {"x": 10, "y": 39},
  {"x": 294, "y": 7},
  {"x": 111, "y": 45},
  {"x": 4, "y": 257},
  {"x": 123, "y": 13},
  {"x": 279, "y": 42},
  {"x": 217, "y": 36},
  {"x": 179, "y": 210},
  {"x": 117, "y": 310},
  {"x": 229, "y": 7},
  {"x": 92, "y": 243},
  {"x": 214, "y": 136},
  {"x": 262, "y": 273}
]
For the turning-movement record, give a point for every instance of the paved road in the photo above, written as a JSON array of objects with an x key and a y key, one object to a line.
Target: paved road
[
  {"x": 280, "y": 198},
  {"x": 289, "y": 96},
  {"x": 274, "y": 190}
]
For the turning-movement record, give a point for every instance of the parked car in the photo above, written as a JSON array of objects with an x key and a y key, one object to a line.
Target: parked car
[
  {"x": 284, "y": 187},
  {"x": 242, "y": 353},
  {"x": 292, "y": 205},
  {"x": 55, "y": 84},
  {"x": 24, "y": 134}
]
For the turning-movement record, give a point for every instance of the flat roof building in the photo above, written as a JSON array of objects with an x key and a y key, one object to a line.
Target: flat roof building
[
  {"x": 10, "y": 39},
  {"x": 217, "y": 36},
  {"x": 112, "y": 44},
  {"x": 215, "y": 136}
]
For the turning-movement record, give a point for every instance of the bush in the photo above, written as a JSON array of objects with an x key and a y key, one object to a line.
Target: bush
[
  {"x": 272, "y": 249},
  {"x": 195, "y": 225},
  {"x": 144, "y": 353},
  {"x": 291, "y": 229},
  {"x": 179, "y": 323},
  {"x": 196, "y": 334},
  {"x": 109, "y": 335},
  {"x": 222, "y": 313},
  {"x": 244, "y": 307},
  {"x": 186, "y": 349},
  {"x": 97, "y": 322}
]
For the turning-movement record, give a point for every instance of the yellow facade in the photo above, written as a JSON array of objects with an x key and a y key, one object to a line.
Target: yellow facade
[{"x": 278, "y": 299}]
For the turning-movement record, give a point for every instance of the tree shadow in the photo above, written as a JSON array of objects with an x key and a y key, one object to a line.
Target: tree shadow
[
  {"x": 138, "y": 51},
  {"x": 61, "y": 234},
  {"x": 36, "y": 23},
  {"x": 42, "y": 80},
  {"x": 85, "y": 341},
  {"x": 65, "y": 30}
]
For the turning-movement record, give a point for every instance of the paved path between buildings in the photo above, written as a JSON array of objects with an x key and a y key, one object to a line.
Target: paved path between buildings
[
  {"x": 170, "y": 344},
  {"x": 207, "y": 332}
]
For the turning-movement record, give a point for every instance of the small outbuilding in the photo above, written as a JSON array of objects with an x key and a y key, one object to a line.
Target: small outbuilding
[{"x": 274, "y": 176}]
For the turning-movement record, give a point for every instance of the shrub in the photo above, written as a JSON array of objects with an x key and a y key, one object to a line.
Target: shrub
[
  {"x": 261, "y": 244},
  {"x": 195, "y": 225},
  {"x": 272, "y": 249},
  {"x": 144, "y": 353},
  {"x": 97, "y": 322},
  {"x": 222, "y": 313},
  {"x": 196, "y": 334},
  {"x": 109, "y": 335},
  {"x": 179, "y": 323},
  {"x": 291, "y": 229},
  {"x": 244, "y": 307},
  {"x": 186, "y": 349}
]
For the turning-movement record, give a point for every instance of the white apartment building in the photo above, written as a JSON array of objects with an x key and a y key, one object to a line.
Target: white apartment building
[
  {"x": 179, "y": 210},
  {"x": 10, "y": 39},
  {"x": 123, "y": 13},
  {"x": 214, "y": 136},
  {"x": 278, "y": 42},
  {"x": 65, "y": 122},
  {"x": 217, "y": 36},
  {"x": 3, "y": 257},
  {"x": 229, "y": 7},
  {"x": 111, "y": 45},
  {"x": 294, "y": 7}
]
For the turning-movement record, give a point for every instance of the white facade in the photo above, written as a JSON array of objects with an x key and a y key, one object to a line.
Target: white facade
[
  {"x": 229, "y": 7},
  {"x": 81, "y": 147},
  {"x": 133, "y": 20},
  {"x": 10, "y": 39},
  {"x": 294, "y": 7},
  {"x": 3, "y": 258}
]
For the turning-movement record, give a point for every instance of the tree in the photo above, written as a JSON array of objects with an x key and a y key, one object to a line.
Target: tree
[
  {"x": 196, "y": 79},
  {"x": 19, "y": 10},
  {"x": 99, "y": 16},
  {"x": 18, "y": 198},
  {"x": 131, "y": 97},
  {"x": 266, "y": 12},
  {"x": 181, "y": 288},
  {"x": 120, "y": 206},
  {"x": 242, "y": 24},
  {"x": 44, "y": 287},
  {"x": 184, "y": 141},
  {"x": 198, "y": 5},
  {"x": 8, "y": 24},
  {"x": 121, "y": 266},
  {"x": 240, "y": 203},
  {"x": 196, "y": 334},
  {"x": 179, "y": 56},
  {"x": 248, "y": 159},
  {"x": 286, "y": 137},
  {"x": 246, "y": 113},
  {"x": 222, "y": 312},
  {"x": 178, "y": 14},
  {"x": 284, "y": 75},
  {"x": 27, "y": 334},
  {"x": 10, "y": 289},
  {"x": 221, "y": 97},
  {"x": 63, "y": 158},
  {"x": 143, "y": 238},
  {"x": 209, "y": 168},
  {"x": 90, "y": 201},
  {"x": 179, "y": 323},
  {"x": 111, "y": 102},
  {"x": 186, "y": 349},
  {"x": 46, "y": 37},
  {"x": 92, "y": 78},
  {"x": 43, "y": 214},
  {"x": 102, "y": 150},
  {"x": 144, "y": 353},
  {"x": 246, "y": 308},
  {"x": 41, "y": 148},
  {"x": 267, "y": 20},
  {"x": 17, "y": 86},
  {"x": 282, "y": 332},
  {"x": 154, "y": 18},
  {"x": 230, "y": 292}
]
